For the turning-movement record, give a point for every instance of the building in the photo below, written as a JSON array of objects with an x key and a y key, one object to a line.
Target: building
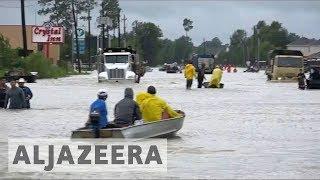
[
  {"x": 14, "y": 34},
  {"x": 314, "y": 56},
  {"x": 305, "y": 45}
]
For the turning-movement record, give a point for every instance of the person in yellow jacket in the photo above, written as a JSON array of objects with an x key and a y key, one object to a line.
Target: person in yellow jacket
[
  {"x": 216, "y": 77},
  {"x": 189, "y": 73},
  {"x": 153, "y": 108}
]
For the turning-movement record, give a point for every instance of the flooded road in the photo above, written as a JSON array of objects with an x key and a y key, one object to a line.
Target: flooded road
[{"x": 249, "y": 129}]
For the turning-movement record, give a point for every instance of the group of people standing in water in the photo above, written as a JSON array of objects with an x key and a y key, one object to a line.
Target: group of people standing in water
[
  {"x": 15, "y": 97},
  {"x": 147, "y": 106},
  {"x": 190, "y": 73}
]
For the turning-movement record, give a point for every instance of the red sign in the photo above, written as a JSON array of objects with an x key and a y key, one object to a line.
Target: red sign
[{"x": 41, "y": 34}]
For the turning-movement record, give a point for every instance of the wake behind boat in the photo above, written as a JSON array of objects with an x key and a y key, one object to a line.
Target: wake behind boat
[{"x": 162, "y": 129}]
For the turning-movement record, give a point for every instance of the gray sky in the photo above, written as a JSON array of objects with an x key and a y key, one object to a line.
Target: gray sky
[{"x": 211, "y": 18}]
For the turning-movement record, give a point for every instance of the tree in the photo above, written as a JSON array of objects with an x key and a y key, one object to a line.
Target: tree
[
  {"x": 147, "y": 37},
  {"x": 210, "y": 47},
  {"x": 60, "y": 12},
  {"x": 182, "y": 49},
  {"x": 187, "y": 25},
  {"x": 7, "y": 55},
  {"x": 111, "y": 9},
  {"x": 167, "y": 52}
]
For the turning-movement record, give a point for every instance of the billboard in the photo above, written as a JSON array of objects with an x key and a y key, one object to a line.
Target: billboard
[{"x": 42, "y": 34}]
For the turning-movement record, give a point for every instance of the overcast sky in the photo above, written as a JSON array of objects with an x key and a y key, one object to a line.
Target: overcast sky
[{"x": 211, "y": 18}]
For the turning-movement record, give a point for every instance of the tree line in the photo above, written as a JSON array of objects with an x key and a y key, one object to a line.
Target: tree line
[{"x": 148, "y": 38}]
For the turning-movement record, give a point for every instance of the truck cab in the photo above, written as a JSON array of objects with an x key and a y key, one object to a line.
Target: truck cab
[
  {"x": 206, "y": 59},
  {"x": 118, "y": 64},
  {"x": 284, "y": 65}
]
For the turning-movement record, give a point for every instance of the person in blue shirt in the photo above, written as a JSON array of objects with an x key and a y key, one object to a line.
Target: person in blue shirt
[
  {"x": 27, "y": 92},
  {"x": 98, "y": 117}
]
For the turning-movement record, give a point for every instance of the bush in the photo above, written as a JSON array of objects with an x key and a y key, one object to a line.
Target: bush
[{"x": 36, "y": 62}]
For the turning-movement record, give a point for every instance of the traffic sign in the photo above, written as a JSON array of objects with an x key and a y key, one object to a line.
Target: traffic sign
[
  {"x": 81, "y": 44},
  {"x": 104, "y": 20},
  {"x": 81, "y": 33}
]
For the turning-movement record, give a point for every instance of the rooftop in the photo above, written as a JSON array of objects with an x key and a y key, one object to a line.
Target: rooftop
[
  {"x": 314, "y": 56},
  {"x": 305, "y": 42}
]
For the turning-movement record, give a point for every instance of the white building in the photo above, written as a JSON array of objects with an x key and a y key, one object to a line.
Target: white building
[{"x": 306, "y": 46}]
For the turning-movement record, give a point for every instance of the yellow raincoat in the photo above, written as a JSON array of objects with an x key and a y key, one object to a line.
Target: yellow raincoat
[
  {"x": 152, "y": 107},
  {"x": 189, "y": 72},
  {"x": 216, "y": 77}
]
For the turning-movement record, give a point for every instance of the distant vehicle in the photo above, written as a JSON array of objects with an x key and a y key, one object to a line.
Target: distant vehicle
[
  {"x": 163, "y": 67},
  {"x": 173, "y": 68},
  {"x": 284, "y": 64},
  {"x": 313, "y": 82},
  {"x": 16, "y": 74},
  {"x": 119, "y": 64},
  {"x": 149, "y": 69},
  {"x": 262, "y": 65},
  {"x": 208, "y": 60},
  {"x": 252, "y": 66}
]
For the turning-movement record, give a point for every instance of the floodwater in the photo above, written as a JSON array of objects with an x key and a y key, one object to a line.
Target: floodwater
[{"x": 249, "y": 129}]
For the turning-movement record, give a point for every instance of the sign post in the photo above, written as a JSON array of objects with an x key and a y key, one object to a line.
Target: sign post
[{"x": 81, "y": 41}]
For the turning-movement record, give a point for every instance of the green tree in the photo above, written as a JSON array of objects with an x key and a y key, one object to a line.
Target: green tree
[
  {"x": 111, "y": 9},
  {"x": 147, "y": 37},
  {"x": 167, "y": 52},
  {"x": 187, "y": 25},
  {"x": 60, "y": 11},
  {"x": 183, "y": 48},
  {"x": 210, "y": 47},
  {"x": 7, "y": 55}
]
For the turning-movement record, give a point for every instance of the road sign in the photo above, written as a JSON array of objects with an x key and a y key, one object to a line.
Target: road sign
[
  {"x": 81, "y": 44},
  {"x": 46, "y": 34},
  {"x": 81, "y": 33},
  {"x": 104, "y": 20}
]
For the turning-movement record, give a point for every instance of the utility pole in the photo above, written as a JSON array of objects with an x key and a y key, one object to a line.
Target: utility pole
[
  {"x": 76, "y": 34},
  {"x": 89, "y": 38},
  {"x": 124, "y": 31},
  {"x": 119, "y": 33},
  {"x": 136, "y": 35},
  {"x": 24, "y": 34},
  {"x": 258, "y": 45},
  {"x": 204, "y": 46}
]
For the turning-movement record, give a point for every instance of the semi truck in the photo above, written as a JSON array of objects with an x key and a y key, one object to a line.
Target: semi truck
[
  {"x": 119, "y": 64},
  {"x": 206, "y": 59}
]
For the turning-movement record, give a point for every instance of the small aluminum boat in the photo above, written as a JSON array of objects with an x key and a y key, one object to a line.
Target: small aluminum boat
[{"x": 160, "y": 129}]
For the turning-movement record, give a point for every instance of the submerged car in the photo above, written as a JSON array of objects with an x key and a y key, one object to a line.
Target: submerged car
[{"x": 16, "y": 74}]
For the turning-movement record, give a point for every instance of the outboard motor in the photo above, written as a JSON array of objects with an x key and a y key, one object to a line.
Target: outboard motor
[
  {"x": 94, "y": 121},
  {"x": 94, "y": 117}
]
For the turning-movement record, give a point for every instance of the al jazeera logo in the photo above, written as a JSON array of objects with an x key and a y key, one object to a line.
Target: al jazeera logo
[{"x": 65, "y": 155}]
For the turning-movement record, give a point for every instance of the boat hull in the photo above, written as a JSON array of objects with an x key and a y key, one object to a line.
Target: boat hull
[{"x": 159, "y": 129}]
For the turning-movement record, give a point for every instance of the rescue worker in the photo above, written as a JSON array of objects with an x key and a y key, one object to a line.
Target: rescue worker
[
  {"x": 15, "y": 96},
  {"x": 216, "y": 77},
  {"x": 301, "y": 80},
  {"x": 3, "y": 90},
  {"x": 98, "y": 117},
  {"x": 189, "y": 73},
  {"x": 27, "y": 92},
  {"x": 127, "y": 110},
  {"x": 153, "y": 108},
  {"x": 201, "y": 74}
]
